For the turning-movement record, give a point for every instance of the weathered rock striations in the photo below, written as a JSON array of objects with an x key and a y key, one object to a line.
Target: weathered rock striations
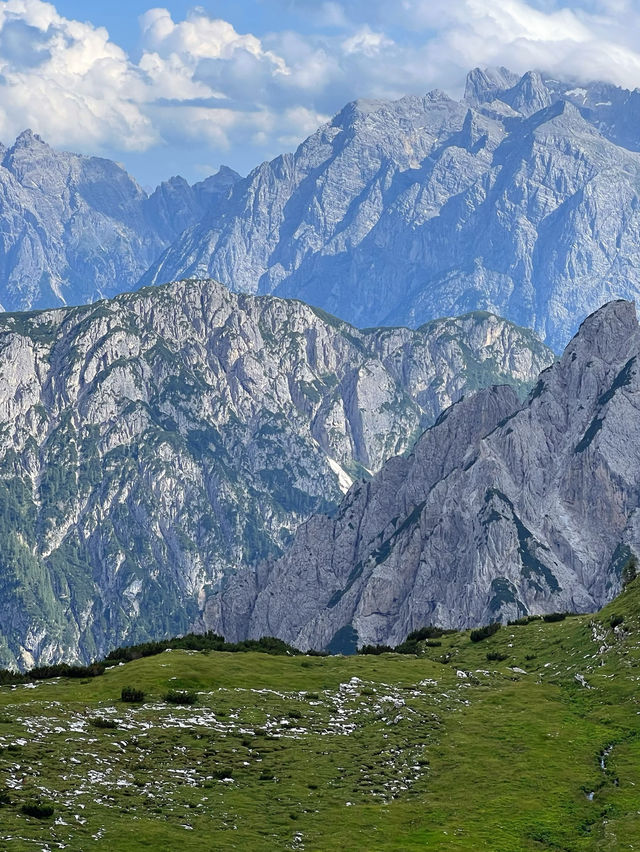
[
  {"x": 501, "y": 509},
  {"x": 152, "y": 443}
]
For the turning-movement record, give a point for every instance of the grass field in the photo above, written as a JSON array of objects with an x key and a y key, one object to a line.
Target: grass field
[{"x": 448, "y": 750}]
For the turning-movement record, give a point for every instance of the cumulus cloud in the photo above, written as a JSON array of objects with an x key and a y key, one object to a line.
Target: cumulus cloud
[
  {"x": 584, "y": 42},
  {"x": 201, "y": 37},
  {"x": 366, "y": 41},
  {"x": 68, "y": 80},
  {"x": 201, "y": 79}
]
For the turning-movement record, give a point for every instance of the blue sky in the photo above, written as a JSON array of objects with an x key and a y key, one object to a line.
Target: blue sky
[{"x": 183, "y": 87}]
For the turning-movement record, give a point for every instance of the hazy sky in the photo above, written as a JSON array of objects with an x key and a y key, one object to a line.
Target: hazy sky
[{"x": 183, "y": 88}]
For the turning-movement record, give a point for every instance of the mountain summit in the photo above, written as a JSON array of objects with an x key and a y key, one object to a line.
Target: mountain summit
[{"x": 75, "y": 229}]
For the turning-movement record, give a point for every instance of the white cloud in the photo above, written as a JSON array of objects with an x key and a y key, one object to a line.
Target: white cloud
[
  {"x": 366, "y": 41},
  {"x": 67, "y": 80},
  {"x": 200, "y": 37},
  {"x": 592, "y": 41}
]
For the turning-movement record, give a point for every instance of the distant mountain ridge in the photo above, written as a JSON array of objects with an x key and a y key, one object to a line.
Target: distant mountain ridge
[
  {"x": 74, "y": 229},
  {"x": 152, "y": 444},
  {"x": 502, "y": 509},
  {"x": 522, "y": 199}
]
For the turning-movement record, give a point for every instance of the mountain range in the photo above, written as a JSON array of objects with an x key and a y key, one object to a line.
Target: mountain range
[
  {"x": 501, "y": 510},
  {"x": 152, "y": 444},
  {"x": 193, "y": 455},
  {"x": 521, "y": 199}
]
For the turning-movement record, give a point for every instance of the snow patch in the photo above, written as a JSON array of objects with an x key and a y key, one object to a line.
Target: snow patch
[{"x": 344, "y": 480}]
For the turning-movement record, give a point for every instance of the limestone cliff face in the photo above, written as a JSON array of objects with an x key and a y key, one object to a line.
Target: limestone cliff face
[
  {"x": 521, "y": 199},
  {"x": 501, "y": 509},
  {"x": 153, "y": 443}
]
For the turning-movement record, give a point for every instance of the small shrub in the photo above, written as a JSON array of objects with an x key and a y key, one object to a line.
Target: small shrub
[
  {"x": 101, "y": 722},
  {"x": 428, "y": 632},
  {"x": 497, "y": 656},
  {"x": 38, "y": 809},
  {"x": 180, "y": 696},
  {"x": 526, "y": 619},
  {"x": 433, "y": 643},
  {"x": 409, "y": 646},
  {"x": 295, "y": 714},
  {"x": 616, "y": 620},
  {"x": 530, "y": 657},
  {"x": 367, "y": 690},
  {"x": 312, "y": 696},
  {"x": 554, "y": 616},
  {"x": 5, "y": 798},
  {"x": 629, "y": 570},
  {"x": 222, "y": 773},
  {"x": 375, "y": 649},
  {"x": 131, "y": 695},
  {"x": 484, "y": 632}
]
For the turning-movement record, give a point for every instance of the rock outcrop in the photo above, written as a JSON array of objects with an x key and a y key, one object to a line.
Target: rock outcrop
[{"x": 502, "y": 509}]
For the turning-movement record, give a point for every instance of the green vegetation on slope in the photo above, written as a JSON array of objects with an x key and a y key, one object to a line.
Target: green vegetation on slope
[{"x": 527, "y": 740}]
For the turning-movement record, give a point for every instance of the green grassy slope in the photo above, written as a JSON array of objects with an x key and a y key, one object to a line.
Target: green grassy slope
[{"x": 445, "y": 751}]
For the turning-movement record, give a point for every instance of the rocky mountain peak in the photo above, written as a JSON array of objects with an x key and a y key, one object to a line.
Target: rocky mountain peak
[
  {"x": 483, "y": 84},
  {"x": 611, "y": 334},
  {"x": 28, "y": 139},
  {"x": 77, "y": 228},
  {"x": 29, "y": 151},
  {"x": 502, "y": 509},
  {"x": 528, "y": 95}
]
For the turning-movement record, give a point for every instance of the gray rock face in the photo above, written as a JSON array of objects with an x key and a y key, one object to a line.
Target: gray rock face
[
  {"x": 521, "y": 199},
  {"x": 154, "y": 443},
  {"x": 74, "y": 229},
  {"x": 501, "y": 509}
]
